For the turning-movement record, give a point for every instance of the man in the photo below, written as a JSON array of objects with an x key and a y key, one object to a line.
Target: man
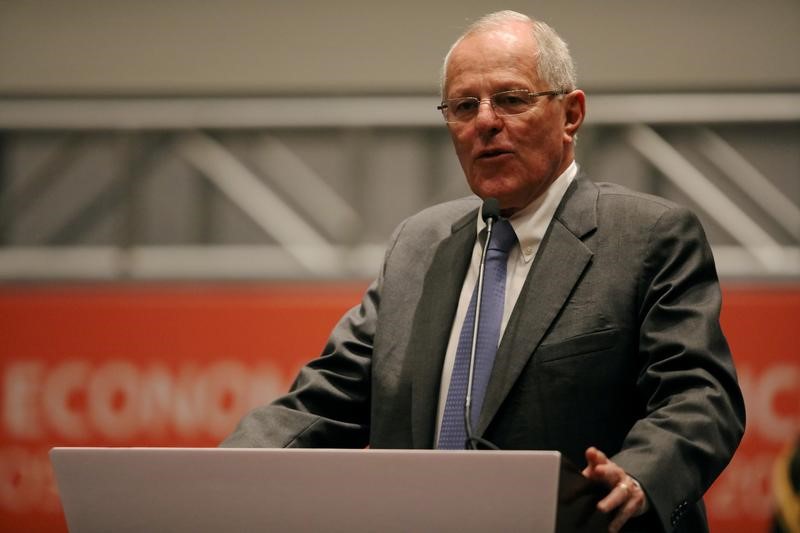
[{"x": 610, "y": 350}]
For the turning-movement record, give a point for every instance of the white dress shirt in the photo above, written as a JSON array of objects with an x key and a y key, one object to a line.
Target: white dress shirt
[{"x": 530, "y": 225}]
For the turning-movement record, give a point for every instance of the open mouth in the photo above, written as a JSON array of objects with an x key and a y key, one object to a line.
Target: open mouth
[{"x": 489, "y": 154}]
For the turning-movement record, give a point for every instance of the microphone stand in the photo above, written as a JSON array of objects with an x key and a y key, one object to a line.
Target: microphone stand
[{"x": 490, "y": 213}]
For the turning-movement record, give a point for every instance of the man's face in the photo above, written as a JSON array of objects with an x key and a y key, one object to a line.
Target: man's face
[{"x": 512, "y": 158}]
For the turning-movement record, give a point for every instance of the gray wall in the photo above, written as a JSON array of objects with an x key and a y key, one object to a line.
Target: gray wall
[
  {"x": 94, "y": 171},
  {"x": 61, "y": 47}
]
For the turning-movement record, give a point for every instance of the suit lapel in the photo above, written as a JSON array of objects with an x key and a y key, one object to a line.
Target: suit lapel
[
  {"x": 432, "y": 323},
  {"x": 558, "y": 266}
]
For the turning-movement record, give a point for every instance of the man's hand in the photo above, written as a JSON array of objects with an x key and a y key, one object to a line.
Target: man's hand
[{"x": 626, "y": 494}]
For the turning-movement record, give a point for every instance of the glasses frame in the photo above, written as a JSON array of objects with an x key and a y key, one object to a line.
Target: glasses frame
[{"x": 444, "y": 105}]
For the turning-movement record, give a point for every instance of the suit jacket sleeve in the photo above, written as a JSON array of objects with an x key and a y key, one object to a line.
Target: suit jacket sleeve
[
  {"x": 693, "y": 409},
  {"x": 328, "y": 404}
]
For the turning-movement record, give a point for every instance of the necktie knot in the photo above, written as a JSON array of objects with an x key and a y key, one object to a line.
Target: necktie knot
[{"x": 503, "y": 236}]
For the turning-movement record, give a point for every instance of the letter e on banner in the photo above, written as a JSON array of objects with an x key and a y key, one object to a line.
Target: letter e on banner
[{"x": 21, "y": 389}]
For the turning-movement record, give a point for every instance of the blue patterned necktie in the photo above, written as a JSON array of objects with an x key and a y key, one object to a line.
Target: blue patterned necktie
[{"x": 453, "y": 434}]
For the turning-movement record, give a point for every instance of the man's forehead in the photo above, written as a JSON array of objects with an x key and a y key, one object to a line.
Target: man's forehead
[
  {"x": 510, "y": 36},
  {"x": 498, "y": 53}
]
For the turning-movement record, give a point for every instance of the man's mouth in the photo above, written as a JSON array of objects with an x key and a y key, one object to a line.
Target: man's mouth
[{"x": 490, "y": 154}]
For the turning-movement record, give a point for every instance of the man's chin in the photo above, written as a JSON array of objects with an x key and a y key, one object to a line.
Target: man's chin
[
  {"x": 508, "y": 205},
  {"x": 499, "y": 188}
]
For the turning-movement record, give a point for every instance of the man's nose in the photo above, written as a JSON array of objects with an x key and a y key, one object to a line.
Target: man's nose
[{"x": 487, "y": 117}]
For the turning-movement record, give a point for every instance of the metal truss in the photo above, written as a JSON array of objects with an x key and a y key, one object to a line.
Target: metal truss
[{"x": 94, "y": 189}]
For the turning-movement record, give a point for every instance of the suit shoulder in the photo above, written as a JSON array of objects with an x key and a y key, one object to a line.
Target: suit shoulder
[
  {"x": 628, "y": 201},
  {"x": 625, "y": 211},
  {"x": 429, "y": 226},
  {"x": 440, "y": 218},
  {"x": 449, "y": 212},
  {"x": 613, "y": 192}
]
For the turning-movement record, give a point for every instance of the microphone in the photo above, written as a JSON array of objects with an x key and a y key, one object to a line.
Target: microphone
[{"x": 490, "y": 212}]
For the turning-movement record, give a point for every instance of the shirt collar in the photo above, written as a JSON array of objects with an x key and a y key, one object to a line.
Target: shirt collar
[{"x": 531, "y": 222}]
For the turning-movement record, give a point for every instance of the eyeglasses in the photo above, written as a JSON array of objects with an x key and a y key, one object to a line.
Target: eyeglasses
[{"x": 503, "y": 103}]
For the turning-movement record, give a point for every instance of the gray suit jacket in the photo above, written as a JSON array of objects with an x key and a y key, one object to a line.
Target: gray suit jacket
[{"x": 614, "y": 342}]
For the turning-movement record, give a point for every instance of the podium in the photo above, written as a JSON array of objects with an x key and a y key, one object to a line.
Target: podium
[{"x": 212, "y": 490}]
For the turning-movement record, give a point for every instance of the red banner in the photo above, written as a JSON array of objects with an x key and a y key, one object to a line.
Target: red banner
[
  {"x": 178, "y": 366},
  {"x": 762, "y": 329}
]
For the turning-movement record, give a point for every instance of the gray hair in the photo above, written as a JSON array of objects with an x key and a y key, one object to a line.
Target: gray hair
[{"x": 553, "y": 62}]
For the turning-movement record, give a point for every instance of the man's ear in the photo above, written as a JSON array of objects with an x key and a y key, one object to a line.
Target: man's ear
[{"x": 574, "y": 112}]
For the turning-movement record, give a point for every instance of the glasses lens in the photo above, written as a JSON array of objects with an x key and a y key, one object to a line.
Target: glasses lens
[
  {"x": 512, "y": 102},
  {"x": 461, "y": 109},
  {"x": 504, "y": 103}
]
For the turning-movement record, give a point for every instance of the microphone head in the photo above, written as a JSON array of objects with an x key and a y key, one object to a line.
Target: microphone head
[{"x": 491, "y": 209}]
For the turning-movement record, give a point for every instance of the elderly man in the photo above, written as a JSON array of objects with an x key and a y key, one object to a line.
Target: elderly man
[{"x": 599, "y": 332}]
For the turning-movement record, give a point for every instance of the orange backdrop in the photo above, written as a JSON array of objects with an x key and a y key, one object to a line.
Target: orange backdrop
[{"x": 177, "y": 365}]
